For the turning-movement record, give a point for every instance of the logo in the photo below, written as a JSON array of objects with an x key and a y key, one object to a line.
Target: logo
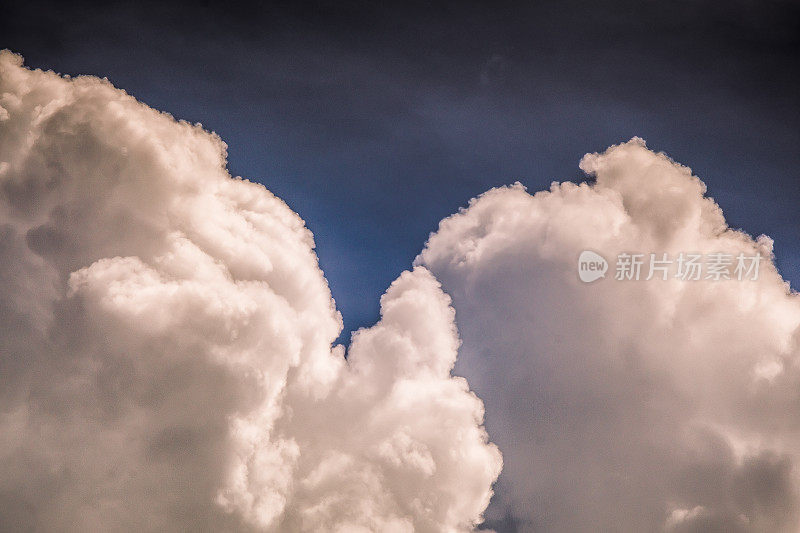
[
  {"x": 591, "y": 266},
  {"x": 684, "y": 266}
]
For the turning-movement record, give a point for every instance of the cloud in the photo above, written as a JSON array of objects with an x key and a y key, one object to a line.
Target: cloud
[
  {"x": 625, "y": 405},
  {"x": 167, "y": 359},
  {"x": 166, "y": 333}
]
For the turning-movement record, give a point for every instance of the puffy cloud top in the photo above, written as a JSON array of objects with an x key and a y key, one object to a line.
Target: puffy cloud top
[
  {"x": 166, "y": 330},
  {"x": 625, "y": 405}
]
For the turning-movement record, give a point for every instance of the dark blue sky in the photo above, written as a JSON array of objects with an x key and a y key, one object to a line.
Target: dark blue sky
[{"x": 376, "y": 122}]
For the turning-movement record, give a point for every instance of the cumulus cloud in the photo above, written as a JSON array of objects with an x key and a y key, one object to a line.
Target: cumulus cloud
[
  {"x": 166, "y": 356},
  {"x": 167, "y": 359},
  {"x": 624, "y": 405}
]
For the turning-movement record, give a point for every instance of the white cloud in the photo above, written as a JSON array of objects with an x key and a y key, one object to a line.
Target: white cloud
[
  {"x": 166, "y": 357},
  {"x": 625, "y": 405},
  {"x": 166, "y": 334}
]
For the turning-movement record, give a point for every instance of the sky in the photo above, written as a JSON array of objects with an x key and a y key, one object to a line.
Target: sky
[
  {"x": 386, "y": 325},
  {"x": 376, "y": 121}
]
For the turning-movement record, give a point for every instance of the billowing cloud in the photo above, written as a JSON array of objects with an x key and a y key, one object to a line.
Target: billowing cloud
[
  {"x": 624, "y": 405},
  {"x": 166, "y": 360}
]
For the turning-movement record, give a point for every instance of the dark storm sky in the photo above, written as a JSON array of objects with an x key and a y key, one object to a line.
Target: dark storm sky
[{"x": 376, "y": 122}]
